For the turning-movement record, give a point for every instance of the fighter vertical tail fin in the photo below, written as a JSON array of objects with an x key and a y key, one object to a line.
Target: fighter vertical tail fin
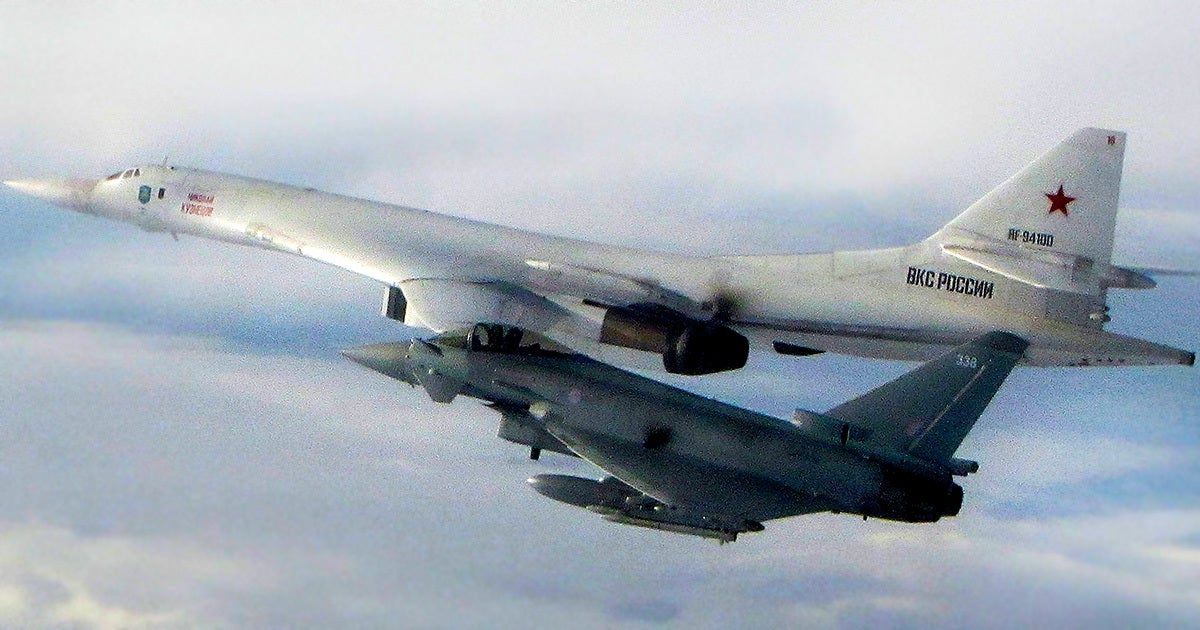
[{"x": 929, "y": 411}]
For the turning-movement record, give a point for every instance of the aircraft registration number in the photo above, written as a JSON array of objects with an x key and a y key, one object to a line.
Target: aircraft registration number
[{"x": 1043, "y": 239}]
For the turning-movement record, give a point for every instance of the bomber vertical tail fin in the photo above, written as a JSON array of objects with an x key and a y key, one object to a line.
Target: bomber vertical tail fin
[
  {"x": 929, "y": 411},
  {"x": 1051, "y": 225}
]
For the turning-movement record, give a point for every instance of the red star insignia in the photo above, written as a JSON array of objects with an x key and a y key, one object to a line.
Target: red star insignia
[{"x": 1059, "y": 201}]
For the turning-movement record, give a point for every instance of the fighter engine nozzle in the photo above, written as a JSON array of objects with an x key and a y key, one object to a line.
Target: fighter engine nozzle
[{"x": 72, "y": 194}]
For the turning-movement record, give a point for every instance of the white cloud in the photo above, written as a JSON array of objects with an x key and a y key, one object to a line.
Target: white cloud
[
  {"x": 980, "y": 572},
  {"x": 51, "y": 576},
  {"x": 1029, "y": 461},
  {"x": 132, "y": 269},
  {"x": 1158, "y": 238}
]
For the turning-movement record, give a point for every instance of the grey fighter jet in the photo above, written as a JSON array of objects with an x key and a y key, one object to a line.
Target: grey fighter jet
[{"x": 683, "y": 463}]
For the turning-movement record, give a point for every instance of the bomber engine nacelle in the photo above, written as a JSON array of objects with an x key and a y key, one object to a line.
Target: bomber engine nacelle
[{"x": 687, "y": 346}]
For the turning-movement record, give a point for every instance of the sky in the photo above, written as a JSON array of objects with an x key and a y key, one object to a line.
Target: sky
[{"x": 182, "y": 446}]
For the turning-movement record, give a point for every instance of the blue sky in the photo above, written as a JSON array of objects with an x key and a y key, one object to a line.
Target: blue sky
[{"x": 182, "y": 446}]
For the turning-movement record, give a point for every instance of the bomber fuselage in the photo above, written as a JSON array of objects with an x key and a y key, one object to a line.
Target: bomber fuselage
[{"x": 907, "y": 303}]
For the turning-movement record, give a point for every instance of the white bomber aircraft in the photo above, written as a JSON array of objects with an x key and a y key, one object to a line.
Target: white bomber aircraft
[{"x": 1032, "y": 257}]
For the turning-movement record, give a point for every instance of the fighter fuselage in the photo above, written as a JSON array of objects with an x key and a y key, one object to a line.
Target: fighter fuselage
[{"x": 679, "y": 448}]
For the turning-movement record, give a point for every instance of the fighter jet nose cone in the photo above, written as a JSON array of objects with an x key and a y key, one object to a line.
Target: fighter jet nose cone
[
  {"x": 373, "y": 356},
  {"x": 70, "y": 194},
  {"x": 385, "y": 358},
  {"x": 355, "y": 354}
]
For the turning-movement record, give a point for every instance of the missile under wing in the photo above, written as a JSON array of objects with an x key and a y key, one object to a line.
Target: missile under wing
[
  {"x": 683, "y": 463},
  {"x": 1032, "y": 257}
]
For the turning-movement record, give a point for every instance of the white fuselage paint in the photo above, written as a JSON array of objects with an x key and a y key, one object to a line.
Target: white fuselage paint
[{"x": 869, "y": 303}]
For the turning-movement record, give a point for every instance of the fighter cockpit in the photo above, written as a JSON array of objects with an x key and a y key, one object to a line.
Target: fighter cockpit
[{"x": 503, "y": 339}]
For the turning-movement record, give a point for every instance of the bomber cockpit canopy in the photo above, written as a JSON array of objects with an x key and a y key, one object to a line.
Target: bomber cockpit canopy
[
  {"x": 503, "y": 339},
  {"x": 125, "y": 174},
  {"x": 136, "y": 171}
]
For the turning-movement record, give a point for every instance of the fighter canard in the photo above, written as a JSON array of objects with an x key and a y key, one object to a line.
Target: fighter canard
[
  {"x": 684, "y": 463},
  {"x": 1031, "y": 257}
]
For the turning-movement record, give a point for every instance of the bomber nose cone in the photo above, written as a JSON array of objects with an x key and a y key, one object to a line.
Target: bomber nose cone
[{"x": 72, "y": 194}]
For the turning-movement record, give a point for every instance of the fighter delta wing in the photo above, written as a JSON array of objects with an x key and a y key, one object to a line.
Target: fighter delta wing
[
  {"x": 688, "y": 464},
  {"x": 1031, "y": 257}
]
